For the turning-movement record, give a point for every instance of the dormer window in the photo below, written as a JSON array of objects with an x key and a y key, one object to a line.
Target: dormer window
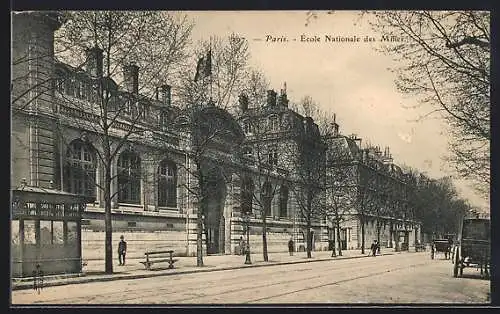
[
  {"x": 247, "y": 127},
  {"x": 273, "y": 123}
]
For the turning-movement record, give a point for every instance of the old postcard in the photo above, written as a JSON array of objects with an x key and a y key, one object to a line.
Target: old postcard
[{"x": 250, "y": 157}]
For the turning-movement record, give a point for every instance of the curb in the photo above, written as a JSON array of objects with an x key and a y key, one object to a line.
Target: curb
[{"x": 78, "y": 280}]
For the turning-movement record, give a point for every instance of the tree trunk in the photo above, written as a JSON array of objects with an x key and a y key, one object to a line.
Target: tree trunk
[
  {"x": 379, "y": 226},
  {"x": 362, "y": 220},
  {"x": 199, "y": 218},
  {"x": 264, "y": 236},
  {"x": 199, "y": 236},
  {"x": 339, "y": 240},
  {"x": 108, "y": 241},
  {"x": 309, "y": 239}
]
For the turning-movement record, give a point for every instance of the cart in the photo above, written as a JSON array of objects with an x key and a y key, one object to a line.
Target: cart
[
  {"x": 473, "y": 247},
  {"x": 441, "y": 246}
]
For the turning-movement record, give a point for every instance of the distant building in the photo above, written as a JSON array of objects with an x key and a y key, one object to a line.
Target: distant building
[{"x": 374, "y": 196}]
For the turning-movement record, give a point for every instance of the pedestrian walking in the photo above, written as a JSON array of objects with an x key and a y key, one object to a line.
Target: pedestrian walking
[
  {"x": 290, "y": 246},
  {"x": 242, "y": 245},
  {"x": 122, "y": 250},
  {"x": 374, "y": 248}
]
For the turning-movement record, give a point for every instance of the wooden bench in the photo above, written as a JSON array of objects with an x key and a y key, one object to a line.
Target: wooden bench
[{"x": 159, "y": 257}]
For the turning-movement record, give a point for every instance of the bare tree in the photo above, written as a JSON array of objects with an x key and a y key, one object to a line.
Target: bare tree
[
  {"x": 366, "y": 200},
  {"x": 444, "y": 58},
  {"x": 208, "y": 127},
  {"x": 308, "y": 166},
  {"x": 104, "y": 43},
  {"x": 340, "y": 183},
  {"x": 206, "y": 95},
  {"x": 259, "y": 153},
  {"x": 263, "y": 142}
]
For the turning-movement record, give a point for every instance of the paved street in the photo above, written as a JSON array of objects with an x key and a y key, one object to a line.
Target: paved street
[{"x": 399, "y": 278}]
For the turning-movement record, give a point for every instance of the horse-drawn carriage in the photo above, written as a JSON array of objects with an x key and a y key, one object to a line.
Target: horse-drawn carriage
[
  {"x": 473, "y": 248},
  {"x": 441, "y": 246}
]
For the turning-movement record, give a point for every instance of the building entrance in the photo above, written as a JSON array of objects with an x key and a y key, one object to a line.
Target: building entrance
[{"x": 214, "y": 221}]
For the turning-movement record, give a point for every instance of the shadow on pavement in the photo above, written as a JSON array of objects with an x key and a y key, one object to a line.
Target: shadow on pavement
[
  {"x": 474, "y": 276},
  {"x": 102, "y": 273}
]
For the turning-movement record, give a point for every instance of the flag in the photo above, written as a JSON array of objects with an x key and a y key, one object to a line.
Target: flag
[
  {"x": 204, "y": 67},
  {"x": 199, "y": 69},
  {"x": 208, "y": 63}
]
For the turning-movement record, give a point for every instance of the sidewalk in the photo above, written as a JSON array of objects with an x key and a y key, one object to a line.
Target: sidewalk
[{"x": 94, "y": 271}]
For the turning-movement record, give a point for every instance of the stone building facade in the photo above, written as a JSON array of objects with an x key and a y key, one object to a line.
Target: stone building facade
[
  {"x": 375, "y": 191},
  {"x": 55, "y": 144}
]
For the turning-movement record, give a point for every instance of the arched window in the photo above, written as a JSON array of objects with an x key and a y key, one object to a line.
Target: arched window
[
  {"x": 80, "y": 169},
  {"x": 283, "y": 201},
  {"x": 267, "y": 197},
  {"x": 247, "y": 188},
  {"x": 167, "y": 184},
  {"x": 129, "y": 178}
]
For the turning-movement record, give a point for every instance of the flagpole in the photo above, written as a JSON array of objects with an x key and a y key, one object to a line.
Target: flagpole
[{"x": 210, "y": 51}]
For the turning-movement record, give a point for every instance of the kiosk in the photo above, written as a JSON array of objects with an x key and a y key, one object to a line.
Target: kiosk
[{"x": 45, "y": 231}]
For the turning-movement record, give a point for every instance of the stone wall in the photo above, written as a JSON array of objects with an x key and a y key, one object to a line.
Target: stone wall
[{"x": 138, "y": 242}]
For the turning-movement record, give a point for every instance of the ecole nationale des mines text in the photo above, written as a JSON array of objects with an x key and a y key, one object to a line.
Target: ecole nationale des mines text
[{"x": 330, "y": 38}]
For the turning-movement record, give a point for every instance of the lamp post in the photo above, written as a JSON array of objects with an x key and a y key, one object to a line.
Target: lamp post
[
  {"x": 246, "y": 219},
  {"x": 330, "y": 219}
]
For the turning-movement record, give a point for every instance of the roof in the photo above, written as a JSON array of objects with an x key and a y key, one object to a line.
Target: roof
[{"x": 36, "y": 194}]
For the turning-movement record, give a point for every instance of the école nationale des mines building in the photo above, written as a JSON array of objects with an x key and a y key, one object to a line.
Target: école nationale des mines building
[{"x": 55, "y": 148}]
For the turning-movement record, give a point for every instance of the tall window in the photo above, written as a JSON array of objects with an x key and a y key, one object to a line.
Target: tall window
[
  {"x": 247, "y": 188},
  {"x": 60, "y": 83},
  {"x": 272, "y": 157},
  {"x": 283, "y": 201},
  {"x": 80, "y": 169},
  {"x": 273, "y": 123},
  {"x": 163, "y": 120},
  {"x": 129, "y": 178},
  {"x": 267, "y": 197},
  {"x": 167, "y": 184},
  {"x": 247, "y": 127}
]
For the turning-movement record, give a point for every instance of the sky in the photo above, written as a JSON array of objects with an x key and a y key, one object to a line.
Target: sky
[{"x": 348, "y": 78}]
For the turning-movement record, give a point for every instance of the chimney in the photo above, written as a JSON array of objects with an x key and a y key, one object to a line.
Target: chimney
[
  {"x": 243, "y": 101},
  {"x": 93, "y": 63},
  {"x": 131, "y": 78},
  {"x": 308, "y": 124},
  {"x": 283, "y": 100},
  {"x": 271, "y": 98},
  {"x": 164, "y": 94}
]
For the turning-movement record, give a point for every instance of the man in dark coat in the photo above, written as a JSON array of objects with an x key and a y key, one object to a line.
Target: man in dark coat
[
  {"x": 374, "y": 248},
  {"x": 122, "y": 250},
  {"x": 290, "y": 246}
]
